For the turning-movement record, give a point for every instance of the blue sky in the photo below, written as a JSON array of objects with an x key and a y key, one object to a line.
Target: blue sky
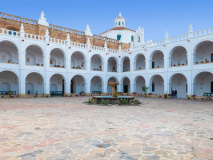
[{"x": 155, "y": 16}]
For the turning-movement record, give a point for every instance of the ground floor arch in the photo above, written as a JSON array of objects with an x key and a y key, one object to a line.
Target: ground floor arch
[
  {"x": 156, "y": 85},
  {"x": 96, "y": 85},
  {"x": 203, "y": 83},
  {"x": 139, "y": 82},
  {"x": 178, "y": 83},
  {"x": 109, "y": 87},
  {"x": 57, "y": 85},
  {"x": 34, "y": 84},
  {"x": 78, "y": 84},
  {"x": 8, "y": 82},
  {"x": 126, "y": 85}
]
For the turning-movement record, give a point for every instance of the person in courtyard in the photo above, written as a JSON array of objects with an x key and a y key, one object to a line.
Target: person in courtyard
[{"x": 175, "y": 93}]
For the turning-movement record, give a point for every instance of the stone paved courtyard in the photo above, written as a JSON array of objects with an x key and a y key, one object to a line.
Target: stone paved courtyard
[{"x": 66, "y": 129}]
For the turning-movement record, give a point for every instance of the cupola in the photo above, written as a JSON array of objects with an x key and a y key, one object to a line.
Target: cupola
[{"x": 119, "y": 21}]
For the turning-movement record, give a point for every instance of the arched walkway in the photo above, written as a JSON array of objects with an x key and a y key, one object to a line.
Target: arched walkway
[
  {"x": 156, "y": 85},
  {"x": 34, "y": 83},
  {"x": 140, "y": 62},
  {"x": 203, "y": 83},
  {"x": 178, "y": 56},
  {"x": 78, "y": 60},
  {"x": 139, "y": 82},
  {"x": 57, "y": 58},
  {"x": 126, "y": 64},
  {"x": 78, "y": 84},
  {"x": 112, "y": 65},
  {"x": 96, "y": 85},
  {"x": 126, "y": 85},
  {"x": 8, "y": 82},
  {"x": 34, "y": 56},
  {"x": 8, "y": 52},
  {"x": 96, "y": 63},
  {"x": 157, "y": 58},
  {"x": 109, "y": 88},
  {"x": 57, "y": 85},
  {"x": 179, "y": 83}
]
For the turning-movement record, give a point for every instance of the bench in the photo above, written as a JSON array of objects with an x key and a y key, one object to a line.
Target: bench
[
  {"x": 7, "y": 92},
  {"x": 56, "y": 93},
  {"x": 96, "y": 92},
  {"x": 208, "y": 94}
]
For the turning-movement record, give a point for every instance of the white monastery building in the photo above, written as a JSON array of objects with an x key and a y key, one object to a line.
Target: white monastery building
[{"x": 40, "y": 59}]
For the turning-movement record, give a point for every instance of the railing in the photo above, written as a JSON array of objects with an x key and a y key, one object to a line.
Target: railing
[
  {"x": 76, "y": 44},
  {"x": 113, "y": 51},
  {"x": 9, "y": 32},
  {"x": 66, "y": 29},
  {"x": 203, "y": 32},
  {"x": 17, "y": 18},
  {"x": 7, "y": 92},
  {"x": 105, "y": 38},
  {"x": 35, "y": 37},
  {"x": 54, "y": 40},
  {"x": 97, "y": 48}
]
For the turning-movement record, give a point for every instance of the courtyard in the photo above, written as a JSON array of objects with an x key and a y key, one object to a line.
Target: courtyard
[{"x": 66, "y": 129}]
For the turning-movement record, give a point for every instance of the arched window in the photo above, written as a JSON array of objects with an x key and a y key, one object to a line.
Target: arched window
[
  {"x": 122, "y": 23},
  {"x": 118, "y": 37},
  {"x": 119, "y": 23},
  {"x": 139, "y": 38},
  {"x": 116, "y": 24},
  {"x": 132, "y": 39}
]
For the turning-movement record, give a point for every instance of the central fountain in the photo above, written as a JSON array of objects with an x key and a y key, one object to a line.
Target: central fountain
[{"x": 113, "y": 99}]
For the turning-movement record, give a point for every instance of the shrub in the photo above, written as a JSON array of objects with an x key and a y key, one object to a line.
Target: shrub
[
  {"x": 116, "y": 94},
  {"x": 165, "y": 95},
  {"x": 104, "y": 102}
]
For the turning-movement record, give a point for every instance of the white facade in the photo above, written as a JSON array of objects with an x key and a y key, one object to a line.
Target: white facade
[{"x": 29, "y": 65}]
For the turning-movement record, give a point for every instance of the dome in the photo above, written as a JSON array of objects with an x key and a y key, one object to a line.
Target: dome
[{"x": 119, "y": 21}]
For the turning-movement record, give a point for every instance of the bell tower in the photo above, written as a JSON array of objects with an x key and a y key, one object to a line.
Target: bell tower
[{"x": 119, "y": 21}]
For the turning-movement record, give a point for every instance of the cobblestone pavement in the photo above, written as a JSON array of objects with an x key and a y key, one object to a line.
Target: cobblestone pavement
[{"x": 66, "y": 129}]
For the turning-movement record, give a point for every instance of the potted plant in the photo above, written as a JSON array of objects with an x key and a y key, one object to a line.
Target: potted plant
[
  {"x": 201, "y": 62},
  {"x": 36, "y": 93},
  {"x": 42, "y": 65},
  {"x": 76, "y": 67},
  {"x": 126, "y": 70},
  {"x": 139, "y": 68},
  {"x": 79, "y": 67},
  {"x": 9, "y": 61},
  {"x": 196, "y": 63},
  {"x": 183, "y": 64},
  {"x": 174, "y": 65},
  {"x": 100, "y": 67},
  {"x": 73, "y": 67},
  {"x": 62, "y": 66},
  {"x": 179, "y": 64},
  {"x": 158, "y": 67},
  {"x": 82, "y": 64},
  {"x": 28, "y": 91},
  {"x": 54, "y": 65},
  {"x": 10, "y": 93},
  {"x": 37, "y": 64},
  {"x": 206, "y": 61},
  {"x": 97, "y": 69}
]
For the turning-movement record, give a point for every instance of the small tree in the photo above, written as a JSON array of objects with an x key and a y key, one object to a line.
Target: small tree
[{"x": 144, "y": 89}]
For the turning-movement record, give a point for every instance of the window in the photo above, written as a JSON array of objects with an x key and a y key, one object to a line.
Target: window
[
  {"x": 139, "y": 38},
  {"x": 119, "y": 23},
  {"x": 118, "y": 37},
  {"x": 153, "y": 64},
  {"x": 116, "y": 24},
  {"x": 132, "y": 39},
  {"x": 153, "y": 86},
  {"x": 122, "y": 23}
]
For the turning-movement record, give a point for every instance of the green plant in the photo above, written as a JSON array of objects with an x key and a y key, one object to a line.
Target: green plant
[
  {"x": 47, "y": 96},
  {"x": 205, "y": 59},
  {"x": 28, "y": 91},
  {"x": 9, "y": 61},
  {"x": 144, "y": 89},
  {"x": 188, "y": 98},
  {"x": 116, "y": 94},
  {"x": 90, "y": 101},
  {"x": 137, "y": 101},
  {"x": 104, "y": 102},
  {"x": 165, "y": 95}
]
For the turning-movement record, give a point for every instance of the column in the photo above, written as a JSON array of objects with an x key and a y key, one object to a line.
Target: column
[
  {"x": 67, "y": 91},
  {"x": 87, "y": 88},
  {"x": 88, "y": 64},
  {"x": 47, "y": 87},
  {"x": 132, "y": 88}
]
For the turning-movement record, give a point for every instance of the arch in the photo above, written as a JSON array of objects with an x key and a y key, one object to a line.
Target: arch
[
  {"x": 34, "y": 54},
  {"x": 178, "y": 56},
  {"x": 78, "y": 84},
  {"x": 203, "y": 52},
  {"x": 126, "y": 64},
  {"x": 59, "y": 56},
  {"x": 112, "y": 64},
  {"x": 96, "y": 84},
  {"x": 178, "y": 82},
  {"x": 13, "y": 28},
  {"x": 97, "y": 63},
  {"x": 157, "y": 58},
  {"x": 78, "y": 60},
  {"x": 202, "y": 83},
  {"x": 109, "y": 88},
  {"x": 34, "y": 83},
  {"x": 126, "y": 84},
  {"x": 156, "y": 85},
  {"x": 139, "y": 62},
  {"x": 8, "y": 52},
  {"x": 139, "y": 81},
  {"x": 57, "y": 80},
  {"x": 9, "y": 81}
]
